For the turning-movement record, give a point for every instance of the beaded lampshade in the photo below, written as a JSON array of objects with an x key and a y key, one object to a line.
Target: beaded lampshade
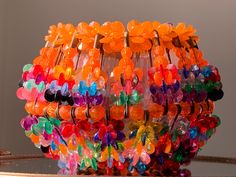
[{"x": 105, "y": 99}]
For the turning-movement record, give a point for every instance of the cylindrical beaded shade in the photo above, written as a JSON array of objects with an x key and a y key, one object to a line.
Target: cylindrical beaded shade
[{"x": 109, "y": 100}]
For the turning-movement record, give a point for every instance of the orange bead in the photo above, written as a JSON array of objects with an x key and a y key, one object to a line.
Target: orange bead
[
  {"x": 204, "y": 108},
  {"x": 29, "y": 107},
  {"x": 80, "y": 113},
  {"x": 128, "y": 73},
  {"x": 117, "y": 112},
  {"x": 86, "y": 71},
  {"x": 65, "y": 112},
  {"x": 136, "y": 112},
  {"x": 94, "y": 52},
  {"x": 172, "y": 110},
  {"x": 211, "y": 106},
  {"x": 185, "y": 109},
  {"x": 97, "y": 113},
  {"x": 34, "y": 138},
  {"x": 159, "y": 51},
  {"x": 126, "y": 52},
  {"x": 156, "y": 111},
  {"x": 63, "y": 149},
  {"x": 39, "y": 108},
  {"x": 51, "y": 110},
  {"x": 158, "y": 78},
  {"x": 197, "y": 109}
]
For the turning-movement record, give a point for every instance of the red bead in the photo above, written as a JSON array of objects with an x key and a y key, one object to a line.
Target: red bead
[{"x": 67, "y": 130}]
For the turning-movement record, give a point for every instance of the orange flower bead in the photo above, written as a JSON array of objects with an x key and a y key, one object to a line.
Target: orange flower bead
[
  {"x": 80, "y": 113},
  {"x": 51, "y": 109},
  {"x": 117, "y": 112},
  {"x": 97, "y": 113},
  {"x": 136, "y": 112},
  {"x": 185, "y": 108},
  {"x": 29, "y": 107},
  {"x": 65, "y": 112},
  {"x": 39, "y": 108},
  {"x": 126, "y": 52},
  {"x": 156, "y": 110}
]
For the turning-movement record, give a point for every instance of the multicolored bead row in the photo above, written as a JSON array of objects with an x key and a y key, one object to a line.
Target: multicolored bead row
[{"x": 105, "y": 100}]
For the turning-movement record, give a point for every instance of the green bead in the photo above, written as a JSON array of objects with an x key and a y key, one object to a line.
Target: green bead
[
  {"x": 109, "y": 149},
  {"x": 30, "y": 84},
  {"x": 28, "y": 133},
  {"x": 198, "y": 86},
  {"x": 90, "y": 145},
  {"x": 94, "y": 164},
  {"x": 134, "y": 98},
  {"x": 82, "y": 165},
  {"x": 123, "y": 98},
  {"x": 98, "y": 147},
  {"x": 120, "y": 146},
  {"x": 41, "y": 86},
  {"x": 43, "y": 119},
  {"x": 55, "y": 121},
  {"x": 48, "y": 128},
  {"x": 209, "y": 133},
  {"x": 27, "y": 67},
  {"x": 35, "y": 130},
  {"x": 209, "y": 86},
  {"x": 174, "y": 136},
  {"x": 164, "y": 130},
  {"x": 80, "y": 150},
  {"x": 178, "y": 157},
  {"x": 188, "y": 88}
]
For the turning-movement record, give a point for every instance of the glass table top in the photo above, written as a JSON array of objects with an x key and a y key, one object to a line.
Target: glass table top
[{"x": 47, "y": 166}]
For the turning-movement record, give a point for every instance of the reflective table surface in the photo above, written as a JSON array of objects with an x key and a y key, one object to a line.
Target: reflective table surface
[{"x": 39, "y": 166}]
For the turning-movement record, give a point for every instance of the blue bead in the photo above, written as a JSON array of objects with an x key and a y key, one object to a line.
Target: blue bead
[
  {"x": 96, "y": 138},
  {"x": 133, "y": 134},
  {"x": 185, "y": 72},
  {"x": 82, "y": 88},
  {"x": 61, "y": 164},
  {"x": 193, "y": 132},
  {"x": 53, "y": 85},
  {"x": 206, "y": 71},
  {"x": 92, "y": 89},
  {"x": 53, "y": 146},
  {"x": 64, "y": 89}
]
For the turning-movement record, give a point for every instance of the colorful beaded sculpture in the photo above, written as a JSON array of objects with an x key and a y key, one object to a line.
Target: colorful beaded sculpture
[{"x": 103, "y": 100}]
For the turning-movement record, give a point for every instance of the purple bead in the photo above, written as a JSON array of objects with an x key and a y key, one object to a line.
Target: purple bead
[
  {"x": 178, "y": 96},
  {"x": 79, "y": 100},
  {"x": 202, "y": 95},
  {"x": 96, "y": 100},
  {"x": 108, "y": 138},
  {"x": 153, "y": 89},
  {"x": 28, "y": 122},
  {"x": 47, "y": 136},
  {"x": 185, "y": 73},
  {"x": 195, "y": 70},
  {"x": 176, "y": 86},
  {"x": 39, "y": 78},
  {"x": 120, "y": 136}
]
